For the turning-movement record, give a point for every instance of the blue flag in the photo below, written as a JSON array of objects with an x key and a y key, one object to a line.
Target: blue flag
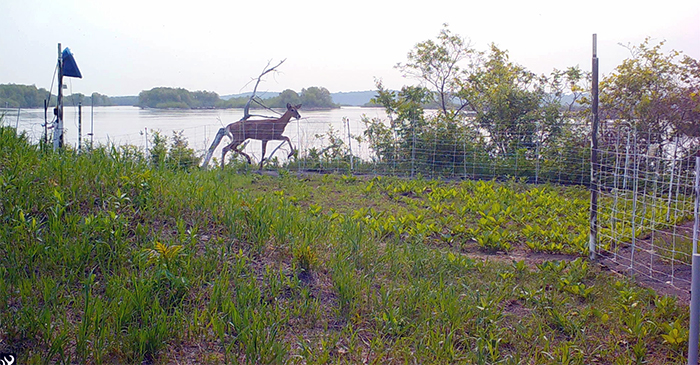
[{"x": 70, "y": 68}]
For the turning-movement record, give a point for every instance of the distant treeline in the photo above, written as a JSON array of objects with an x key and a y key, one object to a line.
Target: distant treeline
[
  {"x": 23, "y": 96},
  {"x": 29, "y": 96},
  {"x": 97, "y": 99},
  {"x": 178, "y": 98}
]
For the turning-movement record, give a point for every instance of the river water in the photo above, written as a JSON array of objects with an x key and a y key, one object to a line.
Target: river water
[{"x": 120, "y": 125}]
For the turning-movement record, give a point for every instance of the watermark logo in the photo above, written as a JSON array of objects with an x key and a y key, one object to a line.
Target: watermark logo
[{"x": 7, "y": 358}]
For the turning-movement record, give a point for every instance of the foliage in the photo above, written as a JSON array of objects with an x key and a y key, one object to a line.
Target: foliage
[
  {"x": 98, "y": 99},
  {"x": 337, "y": 155},
  {"x": 163, "y": 97},
  {"x": 166, "y": 97},
  {"x": 438, "y": 64},
  {"x": 159, "y": 149},
  {"x": 401, "y": 139},
  {"x": 124, "y": 100},
  {"x": 491, "y": 112},
  {"x": 655, "y": 93},
  {"x": 517, "y": 108},
  {"x": 287, "y": 96},
  {"x": 316, "y": 97},
  {"x": 177, "y": 156},
  {"x": 23, "y": 96},
  {"x": 180, "y": 156}
]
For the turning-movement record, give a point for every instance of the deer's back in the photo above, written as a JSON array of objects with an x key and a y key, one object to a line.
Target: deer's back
[{"x": 257, "y": 129}]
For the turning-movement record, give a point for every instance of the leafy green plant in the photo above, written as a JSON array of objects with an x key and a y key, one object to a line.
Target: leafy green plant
[
  {"x": 164, "y": 256},
  {"x": 304, "y": 257},
  {"x": 675, "y": 334}
]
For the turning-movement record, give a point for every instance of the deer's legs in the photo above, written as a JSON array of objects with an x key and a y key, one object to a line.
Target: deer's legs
[
  {"x": 233, "y": 147},
  {"x": 262, "y": 158},
  {"x": 293, "y": 151},
  {"x": 223, "y": 156}
]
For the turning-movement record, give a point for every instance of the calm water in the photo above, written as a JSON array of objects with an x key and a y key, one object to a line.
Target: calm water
[{"x": 131, "y": 125}]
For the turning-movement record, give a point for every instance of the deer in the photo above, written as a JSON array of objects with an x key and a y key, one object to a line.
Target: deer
[{"x": 264, "y": 130}]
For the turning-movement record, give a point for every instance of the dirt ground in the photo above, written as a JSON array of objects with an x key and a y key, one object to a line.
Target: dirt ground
[{"x": 648, "y": 263}]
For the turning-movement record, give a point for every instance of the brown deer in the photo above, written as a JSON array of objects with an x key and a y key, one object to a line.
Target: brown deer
[{"x": 262, "y": 129}]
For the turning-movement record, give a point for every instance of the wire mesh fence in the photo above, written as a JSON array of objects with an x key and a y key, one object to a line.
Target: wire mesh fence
[
  {"x": 646, "y": 204},
  {"x": 456, "y": 151},
  {"x": 344, "y": 141}
]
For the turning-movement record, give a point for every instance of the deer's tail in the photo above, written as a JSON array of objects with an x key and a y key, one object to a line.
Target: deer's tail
[{"x": 219, "y": 135}]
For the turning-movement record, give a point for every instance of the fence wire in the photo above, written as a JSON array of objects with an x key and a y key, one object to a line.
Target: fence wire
[
  {"x": 646, "y": 191},
  {"x": 344, "y": 145}
]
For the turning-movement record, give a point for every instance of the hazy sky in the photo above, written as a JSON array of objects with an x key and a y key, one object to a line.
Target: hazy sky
[{"x": 123, "y": 47}]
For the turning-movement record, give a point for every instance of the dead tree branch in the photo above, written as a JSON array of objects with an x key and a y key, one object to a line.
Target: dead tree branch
[{"x": 268, "y": 69}]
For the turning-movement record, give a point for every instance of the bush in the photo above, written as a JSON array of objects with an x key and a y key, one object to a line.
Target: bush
[{"x": 177, "y": 156}]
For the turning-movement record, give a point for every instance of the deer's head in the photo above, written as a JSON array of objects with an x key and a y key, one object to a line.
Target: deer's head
[{"x": 294, "y": 110}]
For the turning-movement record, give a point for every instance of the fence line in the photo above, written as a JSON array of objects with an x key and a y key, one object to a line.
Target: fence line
[
  {"x": 646, "y": 206},
  {"x": 434, "y": 153}
]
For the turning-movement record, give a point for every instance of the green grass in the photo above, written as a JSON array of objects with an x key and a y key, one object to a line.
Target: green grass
[{"x": 104, "y": 259}]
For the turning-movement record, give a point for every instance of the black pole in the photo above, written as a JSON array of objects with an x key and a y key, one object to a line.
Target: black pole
[
  {"x": 46, "y": 122},
  {"x": 593, "y": 239},
  {"x": 58, "y": 130}
]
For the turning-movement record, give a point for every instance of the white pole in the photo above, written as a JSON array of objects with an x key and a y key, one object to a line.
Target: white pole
[
  {"x": 347, "y": 121},
  {"x": 670, "y": 185},
  {"x": 92, "y": 120},
  {"x": 695, "y": 284},
  {"x": 635, "y": 189},
  {"x": 80, "y": 126}
]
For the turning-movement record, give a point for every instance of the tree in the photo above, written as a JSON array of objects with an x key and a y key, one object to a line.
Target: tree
[
  {"x": 655, "y": 93},
  {"x": 316, "y": 97},
  {"x": 488, "y": 107},
  {"x": 178, "y": 156},
  {"x": 288, "y": 96},
  {"x": 689, "y": 101},
  {"x": 437, "y": 65},
  {"x": 22, "y": 96},
  {"x": 181, "y": 156},
  {"x": 507, "y": 100},
  {"x": 204, "y": 99},
  {"x": 98, "y": 99},
  {"x": 74, "y": 99},
  {"x": 165, "y": 97}
]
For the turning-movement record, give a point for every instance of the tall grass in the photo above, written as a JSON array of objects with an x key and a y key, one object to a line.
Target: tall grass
[{"x": 107, "y": 259}]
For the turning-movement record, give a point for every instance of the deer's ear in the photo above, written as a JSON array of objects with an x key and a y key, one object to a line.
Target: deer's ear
[
  {"x": 298, "y": 106},
  {"x": 289, "y": 106}
]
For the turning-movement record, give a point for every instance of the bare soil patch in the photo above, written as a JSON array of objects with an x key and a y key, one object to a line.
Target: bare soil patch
[{"x": 648, "y": 262}]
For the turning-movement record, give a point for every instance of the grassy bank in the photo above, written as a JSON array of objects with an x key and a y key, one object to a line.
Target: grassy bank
[{"x": 105, "y": 259}]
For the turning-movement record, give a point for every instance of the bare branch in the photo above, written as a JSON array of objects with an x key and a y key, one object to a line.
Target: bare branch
[{"x": 268, "y": 69}]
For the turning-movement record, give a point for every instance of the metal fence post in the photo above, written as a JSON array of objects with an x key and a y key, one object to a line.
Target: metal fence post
[
  {"x": 593, "y": 235},
  {"x": 413, "y": 149},
  {"x": 695, "y": 283}
]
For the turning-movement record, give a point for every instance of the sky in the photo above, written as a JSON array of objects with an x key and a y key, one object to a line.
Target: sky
[{"x": 124, "y": 47}]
